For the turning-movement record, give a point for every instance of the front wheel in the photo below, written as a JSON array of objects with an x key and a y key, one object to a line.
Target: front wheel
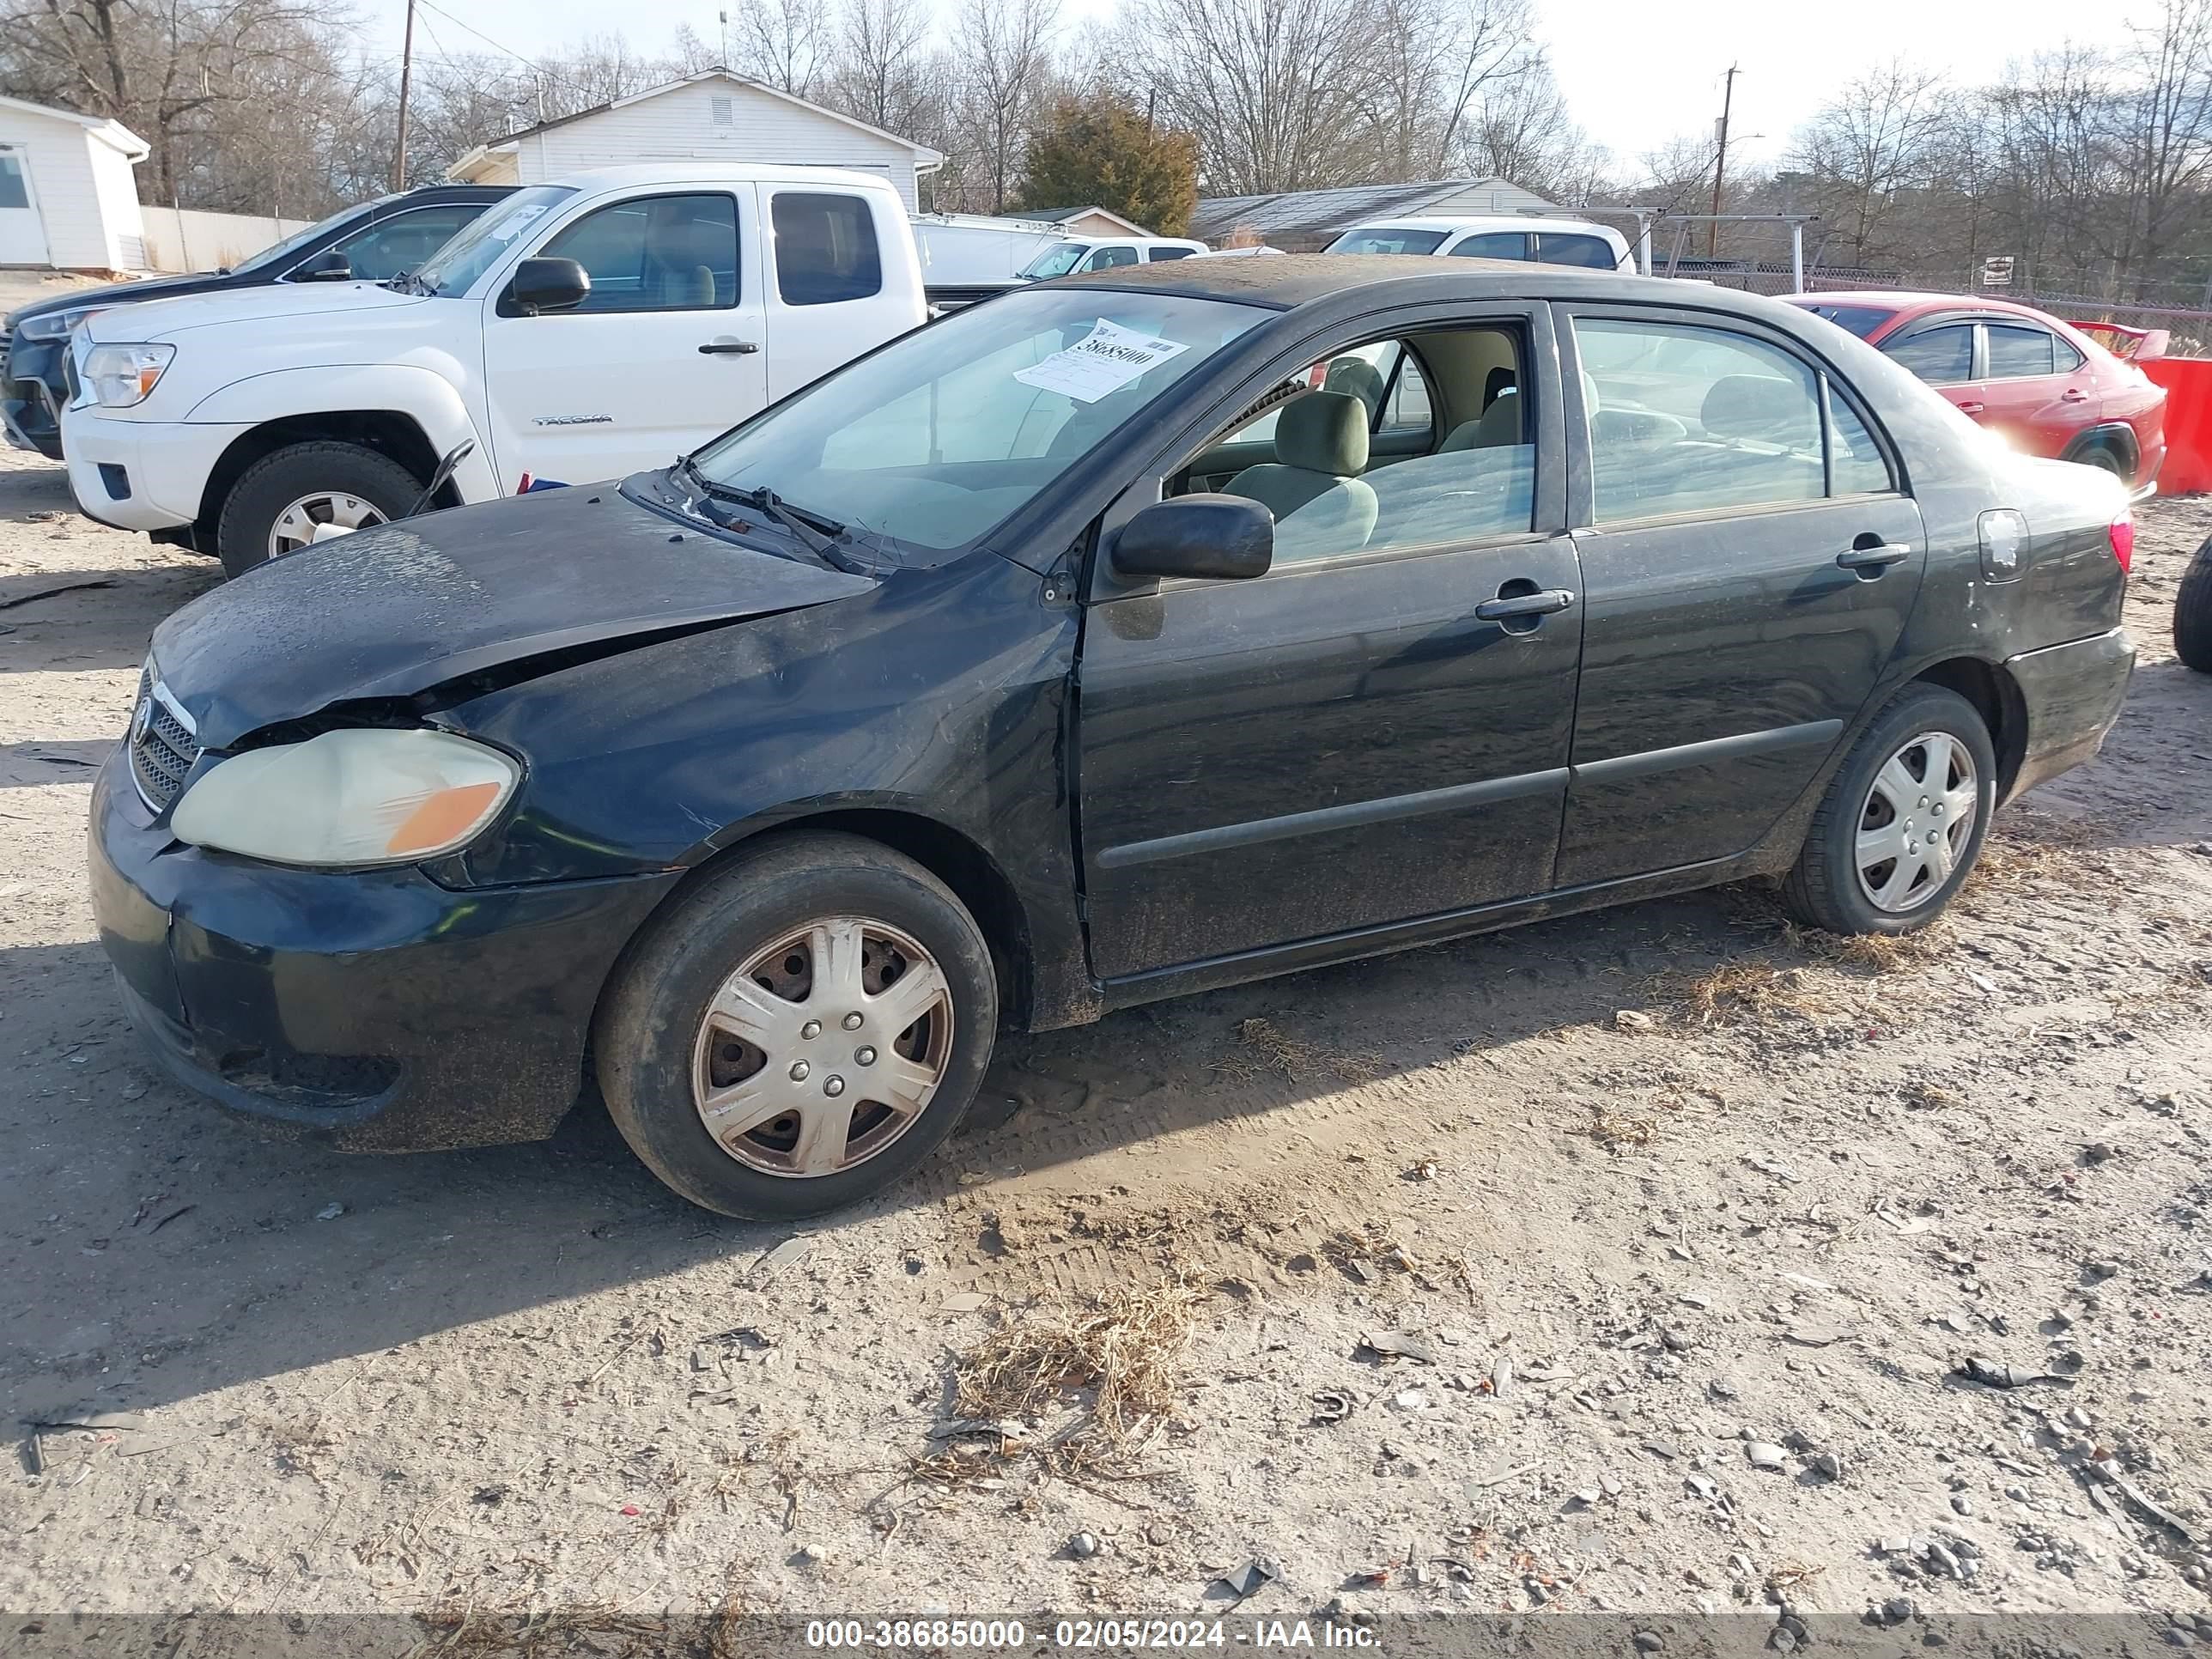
[
  {"x": 1902, "y": 821},
  {"x": 294, "y": 496},
  {"x": 801, "y": 1031},
  {"x": 2193, "y": 613}
]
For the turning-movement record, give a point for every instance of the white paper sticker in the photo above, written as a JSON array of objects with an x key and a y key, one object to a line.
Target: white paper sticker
[{"x": 1103, "y": 361}]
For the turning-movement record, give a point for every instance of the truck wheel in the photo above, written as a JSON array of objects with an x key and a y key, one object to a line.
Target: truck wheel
[
  {"x": 277, "y": 502},
  {"x": 799, "y": 1031},
  {"x": 2193, "y": 613},
  {"x": 1902, "y": 821}
]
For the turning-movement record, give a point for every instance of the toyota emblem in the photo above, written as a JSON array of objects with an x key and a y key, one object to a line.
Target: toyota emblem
[{"x": 141, "y": 721}]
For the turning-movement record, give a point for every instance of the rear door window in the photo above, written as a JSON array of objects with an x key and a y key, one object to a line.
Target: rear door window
[
  {"x": 1940, "y": 357},
  {"x": 2018, "y": 352},
  {"x": 1494, "y": 245},
  {"x": 1159, "y": 253},
  {"x": 1108, "y": 258},
  {"x": 1557, "y": 248}
]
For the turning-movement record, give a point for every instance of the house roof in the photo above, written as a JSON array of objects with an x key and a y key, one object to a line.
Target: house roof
[
  {"x": 1290, "y": 212},
  {"x": 925, "y": 157},
  {"x": 110, "y": 132},
  {"x": 1061, "y": 216}
]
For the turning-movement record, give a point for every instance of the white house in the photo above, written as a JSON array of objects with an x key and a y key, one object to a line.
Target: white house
[
  {"x": 712, "y": 116},
  {"x": 68, "y": 199}
]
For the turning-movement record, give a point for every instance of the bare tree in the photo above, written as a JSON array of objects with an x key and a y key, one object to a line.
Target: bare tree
[
  {"x": 877, "y": 73},
  {"x": 782, "y": 42},
  {"x": 1002, "y": 51},
  {"x": 1876, "y": 138}
]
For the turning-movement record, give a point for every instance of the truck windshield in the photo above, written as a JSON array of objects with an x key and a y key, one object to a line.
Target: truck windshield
[
  {"x": 454, "y": 268},
  {"x": 1055, "y": 261},
  {"x": 937, "y": 438}
]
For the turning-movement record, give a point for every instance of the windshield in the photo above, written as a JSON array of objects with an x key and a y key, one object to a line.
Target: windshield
[
  {"x": 939, "y": 437},
  {"x": 1055, "y": 261},
  {"x": 1382, "y": 239},
  {"x": 299, "y": 238},
  {"x": 454, "y": 268},
  {"x": 1862, "y": 320}
]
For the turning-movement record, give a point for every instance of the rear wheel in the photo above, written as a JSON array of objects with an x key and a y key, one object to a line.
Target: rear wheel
[
  {"x": 1902, "y": 820},
  {"x": 2105, "y": 458},
  {"x": 281, "y": 503},
  {"x": 2193, "y": 613},
  {"x": 801, "y": 1030}
]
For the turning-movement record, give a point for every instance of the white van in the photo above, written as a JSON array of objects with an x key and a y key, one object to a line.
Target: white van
[{"x": 1503, "y": 236}]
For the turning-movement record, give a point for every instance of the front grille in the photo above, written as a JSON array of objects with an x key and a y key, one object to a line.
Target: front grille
[{"x": 162, "y": 752}]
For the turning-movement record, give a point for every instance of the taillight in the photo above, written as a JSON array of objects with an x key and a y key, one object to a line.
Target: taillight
[{"x": 2123, "y": 541}]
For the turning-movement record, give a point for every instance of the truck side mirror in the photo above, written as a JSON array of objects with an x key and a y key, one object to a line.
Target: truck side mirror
[
  {"x": 328, "y": 266},
  {"x": 547, "y": 285}
]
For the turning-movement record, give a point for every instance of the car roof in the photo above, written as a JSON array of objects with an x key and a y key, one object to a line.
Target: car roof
[
  {"x": 598, "y": 181},
  {"x": 1298, "y": 279},
  {"x": 1913, "y": 302},
  {"x": 1484, "y": 221},
  {"x": 453, "y": 193}
]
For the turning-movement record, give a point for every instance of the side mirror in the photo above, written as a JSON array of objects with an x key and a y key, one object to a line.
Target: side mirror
[
  {"x": 1224, "y": 536},
  {"x": 548, "y": 285},
  {"x": 328, "y": 266}
]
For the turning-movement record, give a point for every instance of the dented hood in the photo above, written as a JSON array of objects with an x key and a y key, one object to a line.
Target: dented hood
[{"x": 392, "y": 612}]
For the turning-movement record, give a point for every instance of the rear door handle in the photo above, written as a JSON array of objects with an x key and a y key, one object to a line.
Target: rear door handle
[
  {"x": 1542, "y": 603},
  {"x": 2073, "y": 394},
  {"x": 1878, "y": 557},
  {"x": 1970, "y": 407},
  {"x": 729, "y": 348}
]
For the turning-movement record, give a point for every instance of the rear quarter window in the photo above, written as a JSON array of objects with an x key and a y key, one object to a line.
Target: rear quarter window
[
  {"x": 1592, "y": 252},
  {"x": 825, "y": 249}
]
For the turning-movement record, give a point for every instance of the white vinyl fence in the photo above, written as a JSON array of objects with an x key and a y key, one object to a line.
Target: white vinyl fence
[{"x": 188, "y": 239}]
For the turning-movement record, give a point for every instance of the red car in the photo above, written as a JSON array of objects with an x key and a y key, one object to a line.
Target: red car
[{"x": 2048, "y": 387}]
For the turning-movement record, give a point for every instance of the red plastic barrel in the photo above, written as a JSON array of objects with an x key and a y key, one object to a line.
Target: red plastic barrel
[{"x": 2188, "y": 383}]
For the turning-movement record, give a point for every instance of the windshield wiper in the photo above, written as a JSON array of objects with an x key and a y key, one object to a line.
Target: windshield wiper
[{"x": 812, "y": 530}]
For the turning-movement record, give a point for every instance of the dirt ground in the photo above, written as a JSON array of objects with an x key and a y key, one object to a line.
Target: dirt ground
[{"x": 1639, "y": 1203}]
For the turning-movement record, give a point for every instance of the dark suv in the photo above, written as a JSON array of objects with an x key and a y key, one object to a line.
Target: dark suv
[{"x": 374, "y": 242}]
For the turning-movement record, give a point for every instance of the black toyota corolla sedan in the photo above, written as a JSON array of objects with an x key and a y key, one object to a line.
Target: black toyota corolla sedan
[{"x": 1125, "y": 636}]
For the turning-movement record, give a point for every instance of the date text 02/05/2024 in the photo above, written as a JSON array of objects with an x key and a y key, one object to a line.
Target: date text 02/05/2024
[{"x": 1097, "y": 1634}]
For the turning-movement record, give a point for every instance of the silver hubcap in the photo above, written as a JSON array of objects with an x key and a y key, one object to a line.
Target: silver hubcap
[
  {"x": 823, "y": 1049},
  {"x": 1917, "y": 822},
  {"x": 296, "y": 524}
]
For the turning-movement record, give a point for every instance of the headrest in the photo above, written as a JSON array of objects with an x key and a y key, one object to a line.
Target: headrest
[
  {"x": 1324, "y": 432},
  {"x": 1634, "y": 429},
  {"x": 1499, "y": 429},
  {"x": 1358, "y": 377},
  {"x": 1759, "y": 406}
]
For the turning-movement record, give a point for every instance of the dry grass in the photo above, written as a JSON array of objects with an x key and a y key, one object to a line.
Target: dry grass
[
  {"x": 1296, "y": 1060},
  {"x": 1752, "y": 990},
  {"x": 1119, "y": 1360},
  {"x": 1614, "y": 1130},
  {"x": 2020, "y": 851},
  {"x": 1881, "y": 953},
  {"x": 462, "y": 1629}
]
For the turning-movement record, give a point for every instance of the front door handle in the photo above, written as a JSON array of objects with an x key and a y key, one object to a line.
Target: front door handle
[
  {"x": 1876, "y": 558},
  {"x": 1970, "y": 407},
  {"x": 729, "y": 348},
  {"x": 1542, "y": 603}
]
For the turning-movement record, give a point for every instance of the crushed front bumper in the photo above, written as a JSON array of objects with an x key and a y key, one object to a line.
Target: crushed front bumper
[{"x": 375, "y": 1008}]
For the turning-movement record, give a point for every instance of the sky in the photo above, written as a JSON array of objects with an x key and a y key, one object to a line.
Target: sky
[{"x": 1636, "y": 73}]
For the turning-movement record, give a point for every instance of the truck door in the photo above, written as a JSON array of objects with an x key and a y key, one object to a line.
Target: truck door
[{"x": 666, "y": 351}]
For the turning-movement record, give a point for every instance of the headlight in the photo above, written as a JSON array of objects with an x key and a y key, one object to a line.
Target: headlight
[
  {"x": 348, "y": 797},
  {"x": 121, "y": 375},
  {"x": 55, "y": 324}
]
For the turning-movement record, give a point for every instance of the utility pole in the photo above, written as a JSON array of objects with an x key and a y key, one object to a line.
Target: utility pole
[
  {"x": 724, "y": 17},
  {"x": 406, "y": 73},
  {"x": 1720, "y": 164}
]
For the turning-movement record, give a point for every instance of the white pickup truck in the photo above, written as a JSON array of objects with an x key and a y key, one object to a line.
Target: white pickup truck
[{"x": 581, "y": 328}]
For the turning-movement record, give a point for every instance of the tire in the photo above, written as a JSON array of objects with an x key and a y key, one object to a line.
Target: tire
[
  {"x": 250, "y": 512},
  {"x": 2193, "y": 613},
  {"x": 2105, "y": 459},
  {"x": 1826, "y": 888},
  {"x": 652, "y": 1039}
]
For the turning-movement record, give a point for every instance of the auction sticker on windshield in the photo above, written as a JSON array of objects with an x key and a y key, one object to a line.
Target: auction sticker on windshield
[{"x": 1101, "y": 361}]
